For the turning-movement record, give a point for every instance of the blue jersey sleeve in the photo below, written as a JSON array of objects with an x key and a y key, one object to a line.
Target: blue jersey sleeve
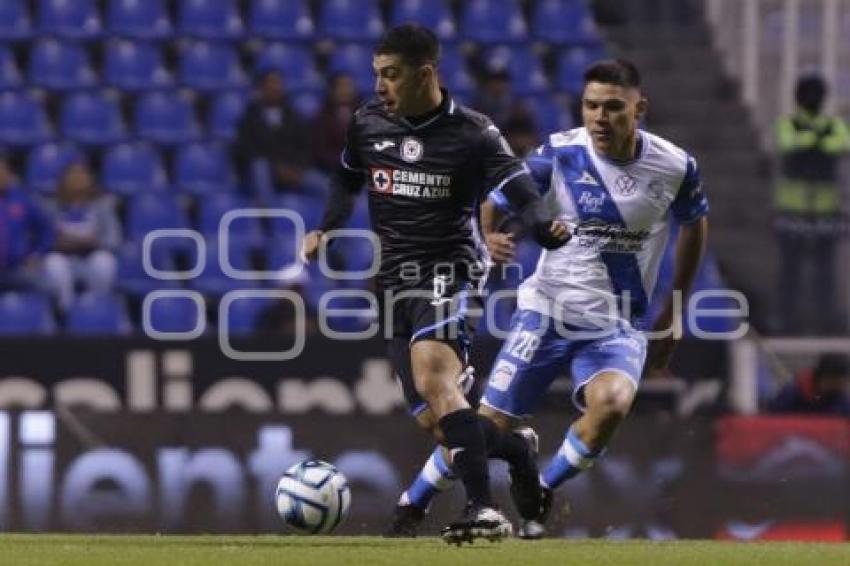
[
  {"x": 539, "y": 164},
  {"x": 691, "y": 203}
]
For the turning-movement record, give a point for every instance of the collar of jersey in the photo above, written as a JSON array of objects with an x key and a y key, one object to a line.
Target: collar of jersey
[
  {"x": 642, "y": 141},
  {"x": 448, "y": 105}
]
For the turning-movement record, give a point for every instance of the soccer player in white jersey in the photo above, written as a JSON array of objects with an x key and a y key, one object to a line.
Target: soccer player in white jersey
[{"x": 583, "y": 310}]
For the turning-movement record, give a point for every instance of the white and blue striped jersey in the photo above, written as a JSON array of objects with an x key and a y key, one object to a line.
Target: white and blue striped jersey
[{"x": 620, "y": 212}]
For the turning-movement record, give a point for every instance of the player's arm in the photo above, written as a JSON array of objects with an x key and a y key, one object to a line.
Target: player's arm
[
  {"x": 499, "y": 244},
  {"x": 346, "y": 183},
  {"x": 513, "y": 180},
  {"x": 690, "y": 209}
]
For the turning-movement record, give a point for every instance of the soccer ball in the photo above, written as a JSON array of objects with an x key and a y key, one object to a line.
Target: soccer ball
[{"x": 313, "y": 497}]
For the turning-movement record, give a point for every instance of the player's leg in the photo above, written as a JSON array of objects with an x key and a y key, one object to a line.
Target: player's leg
[{"x": 606, "y": 372}]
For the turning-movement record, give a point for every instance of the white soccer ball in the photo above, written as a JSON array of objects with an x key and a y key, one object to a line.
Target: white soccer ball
[{"x": 313, "y": 497}]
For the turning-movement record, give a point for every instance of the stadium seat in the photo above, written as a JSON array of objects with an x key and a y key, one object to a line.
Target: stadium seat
[
  {"x": 94, "y": 314},
  {"x": 92, "y": 118},
  {"x": 350, "y": 20},
  {"x": 130, "y": 168},
  {"x": 551, "y": 113},
  {"x": 307, "y": 206},
  {"x": 210, "y": 19},
  {"x": 176, "y": 314},
  {"x": 354, "y": 60},
  {"x": 10, "y": 74},
  {"x": 344, "y": 322},
  {"x": 154, "y": 211},
  {"x": 60, "y": 65},
  {"x": 454, "y": 72},
  {"x": 571, "y": 65},
  {"x": 433, "y": 14},
  {"x": 15, "y": 21},
  {"x": 131, "y": 277},
  {"x": 282, "y": 20},
  {"x": 224, "y": 113},
  {"x": 46, "y": 163},
  {"x": 526, "y": 70},
  {"x": 243, "y": 315},
  {"x": 23, "y": 121},
  {"x": 25, "y": 314},
  {"x": 295, "y": 63},
  {"x": 493, "y": 21},
  {"x": 213, "y": 281},
  {"x": 135, "y": 65},
  {"x": 360, "y": 216},
  {"x": 72, "y": 19},
  {"x": 208, "y": 66},
  {"x": 247, "y": 230},
  {"x": 140, "y": 19},
  {"x": 564, "y": 22},
  {"x": 202, "y": 169},
  {"x": 307, "y": 104},
  {"x": 166, "y": 117}
]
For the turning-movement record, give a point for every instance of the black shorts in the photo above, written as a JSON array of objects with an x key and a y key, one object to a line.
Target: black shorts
[{"x": 441, "y": 309}]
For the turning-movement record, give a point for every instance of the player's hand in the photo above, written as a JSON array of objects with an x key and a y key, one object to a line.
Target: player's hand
[
  {"x": 658, "y": 356},
  {"x": 551, "y": 234},
  {"x": 500, "y": 245},
  {"x": 310, "y": 245},
  {"x": 560, "y": 230}
]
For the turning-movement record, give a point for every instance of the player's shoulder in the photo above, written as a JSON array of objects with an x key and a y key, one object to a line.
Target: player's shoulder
[
  {"x": 664, "y": 152},
  {"x": 464, "y": 114},
  {"x": 567, "y": 138}
]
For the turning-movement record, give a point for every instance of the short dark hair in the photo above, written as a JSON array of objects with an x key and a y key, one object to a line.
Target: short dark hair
[
  {"x": 613, "y": 72},
  {"x": 416, "y": 44}
]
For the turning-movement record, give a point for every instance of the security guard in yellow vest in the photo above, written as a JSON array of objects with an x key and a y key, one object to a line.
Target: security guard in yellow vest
[{"x": 809, "y": 219}]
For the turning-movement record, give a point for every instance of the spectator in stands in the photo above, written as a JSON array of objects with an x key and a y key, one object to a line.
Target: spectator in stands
[
  {"x": 495, "y": 99},
  {"x": 273, "y": 145},
  {"x": 822, "y": 391},
  {"x": 807, "y": 199},
  {"x": 331, "y": 123},
  {"x": 87, "y": 234},
  {"x": 25, "y": 235}
]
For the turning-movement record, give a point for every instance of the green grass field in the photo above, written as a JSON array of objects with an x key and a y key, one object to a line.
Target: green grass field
[{"x": 26, "y": 550}]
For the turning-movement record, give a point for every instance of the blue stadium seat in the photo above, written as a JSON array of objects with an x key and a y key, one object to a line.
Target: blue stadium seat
[
  {"x": 433, "y": 14},
  {"x": 10, "y": 74},
  {"x": 130, "y": 168},
  {"x": 131, "y": 277},
  {"x": 360, "y": 215},
  {"x": 15, "y": 21},
  {"x": 25, "y": 314},
  {"x": 135, "y": 65},
  {"x": 225, "y": 111},
  {"x": 358, "y": 253},
  {"x": 307, "y": 206},
  {"x": 47, "y": 162},
  {"x": 245, "y": 230},
  {"x": 564, "y": 22},
  {"x": 454, "y": 72},
  {"x": 295, "y": 63},
  {"x": 282, "y": 20},
  {"x": 551, "y": 113},
  {"x": 60, "y": 65},
  {"x": 213, "y": 281},
  {"x": 351, "y": 20},
  {"x": 202, "y": 169},
  {"x": 526, "y": 71},
  {"x": 154, "y": 211},
  {"x": 571, "y": 66},
  {"x": 210, "y": 19},
  {"x": 207, "y": 66},
  {"x": 176, "y": 314},
  {"x": 140, "y": 19},
  {"x": 354, "y": 60},
  {"x": 98, "y": 315},
  {"x": 92, "y": 118},
  {"x": 307, "y": 104},
  {"x": 166, "y": 117},
  {"x": 344, "y": 322},
  {"x": 72, "y": 19},
  {"x": 243, "y": 315},
  {"x": 493, "y": 21},
  {"x": 23, "y": 121}
]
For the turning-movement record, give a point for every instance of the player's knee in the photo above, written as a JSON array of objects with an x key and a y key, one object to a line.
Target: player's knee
[{"x": 611, "y": 398}]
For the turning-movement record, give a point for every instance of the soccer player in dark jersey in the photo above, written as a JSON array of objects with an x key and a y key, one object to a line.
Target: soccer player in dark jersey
[{"x": 428, "y": 162}]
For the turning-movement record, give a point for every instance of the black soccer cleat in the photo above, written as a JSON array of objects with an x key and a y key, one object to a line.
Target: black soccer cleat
[
  {"x": 477, "y": 522},
  {"x": 404, "y": 522},
  {"x": 526, "y": 491},
  {"x": 534, "y": 529}
]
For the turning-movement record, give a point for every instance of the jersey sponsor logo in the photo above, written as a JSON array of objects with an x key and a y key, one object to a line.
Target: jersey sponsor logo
[
  {"x": 625, "y": 185},
  {"x": 587, "y": 179},
  {"x": 605, "y": 237},
  {"x": 382, "y": 145},
  {"x": 382, "y": 180},
  {"x": 440, "y": 286},
  {"x": 591, "y": 203},
  {"x": 411, "y": 149}
]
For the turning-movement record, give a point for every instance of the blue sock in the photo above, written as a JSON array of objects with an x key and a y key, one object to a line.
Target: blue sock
[
  {"x": 572, "y": 458},
  {"x": 435, "y": 476}
]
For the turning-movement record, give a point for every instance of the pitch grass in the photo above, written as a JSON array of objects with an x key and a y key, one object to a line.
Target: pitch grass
[{"x": 68, "y": 550}]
